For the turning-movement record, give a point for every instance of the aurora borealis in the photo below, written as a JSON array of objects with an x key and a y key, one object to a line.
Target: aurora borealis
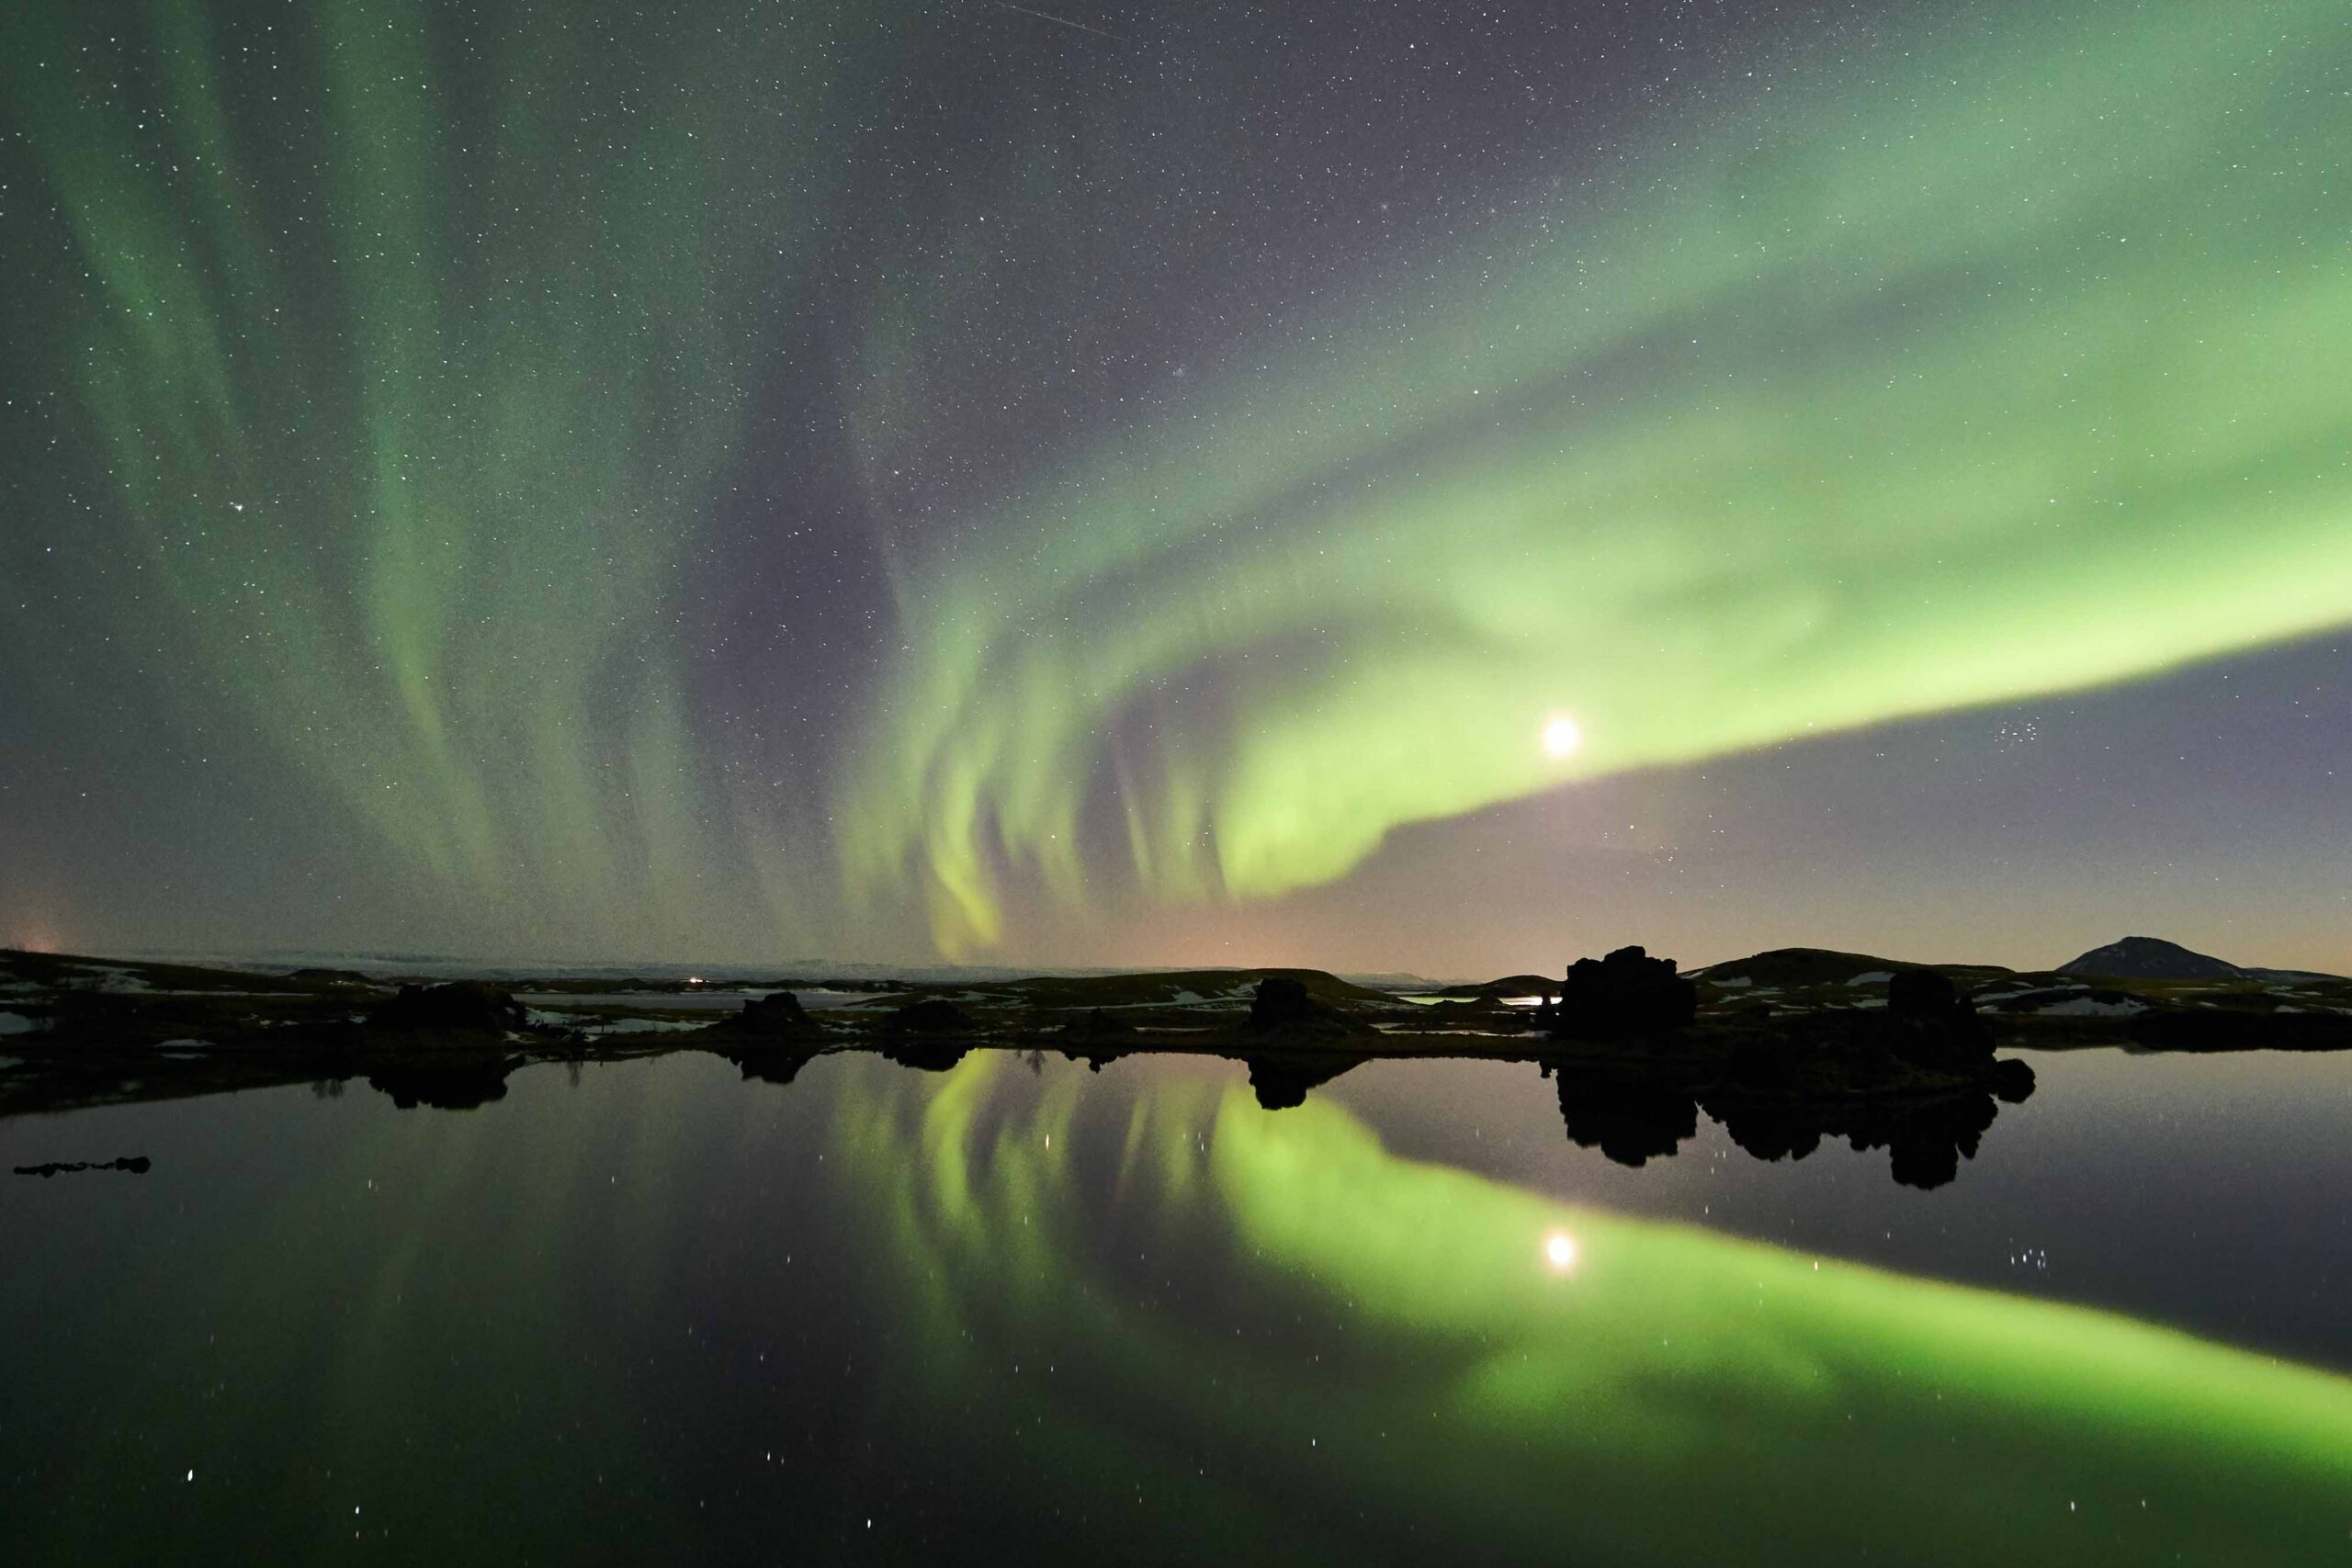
[{"x": 766, "y": 482}]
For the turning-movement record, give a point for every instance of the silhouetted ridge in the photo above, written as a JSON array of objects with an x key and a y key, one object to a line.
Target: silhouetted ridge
[{"x": 2150, "y": 958}]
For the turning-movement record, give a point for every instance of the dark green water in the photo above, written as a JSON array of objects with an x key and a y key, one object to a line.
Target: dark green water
[{"x": 1007, "y": 1314}]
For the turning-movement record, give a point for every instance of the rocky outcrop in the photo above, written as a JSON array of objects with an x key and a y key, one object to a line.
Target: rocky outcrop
[
  {"x": 1631, "y": 1121},
  {"x": 460, "y": 1083},
  {"x": 1281, "y": 1080},
  {"x": 1627, "y": 993},
  {"x": 932, "y": 1035},
  {"x": 463, "y": 1007},
  {"x": 1282, "y": 1006},
  {"x": 777, "y": 1016}
]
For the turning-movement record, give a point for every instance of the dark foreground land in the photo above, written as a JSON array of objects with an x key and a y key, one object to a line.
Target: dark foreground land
[{"x": 1785, "y": 1048}]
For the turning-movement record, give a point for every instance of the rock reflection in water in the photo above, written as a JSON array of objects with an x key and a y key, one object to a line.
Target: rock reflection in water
[{"x": 1634, "y": 1120}]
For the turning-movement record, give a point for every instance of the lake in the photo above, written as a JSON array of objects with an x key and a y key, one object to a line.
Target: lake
[{"x": 1020, "y": 1312}]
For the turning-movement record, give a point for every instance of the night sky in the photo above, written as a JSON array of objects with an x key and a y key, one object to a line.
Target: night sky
[{"x": 1384, "y": 487}]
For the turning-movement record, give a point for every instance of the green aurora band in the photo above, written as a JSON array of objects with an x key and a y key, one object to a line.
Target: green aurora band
[
  {"x": 1987, "y": 363},
  {"x": 1677, "y": 1396},
  {"x": 409, "y": 374},
  {"x": 378, "y": 367}
]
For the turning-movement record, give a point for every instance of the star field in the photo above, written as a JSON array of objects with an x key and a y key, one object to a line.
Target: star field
[{"x": 1118, "y": 484}]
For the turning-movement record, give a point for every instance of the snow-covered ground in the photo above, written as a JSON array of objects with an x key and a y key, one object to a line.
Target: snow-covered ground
[{"x": 2090, "y": 1007}]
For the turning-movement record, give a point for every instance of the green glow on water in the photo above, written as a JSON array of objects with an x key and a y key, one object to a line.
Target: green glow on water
[{"x": 1361, "y": 1343}]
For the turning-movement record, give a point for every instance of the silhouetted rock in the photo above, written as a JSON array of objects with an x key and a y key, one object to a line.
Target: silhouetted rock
[
  {"x": 1871, "y": 1048},
  {"x": 771, "y": 1038},
  {"x": 933, "y": 1015},
  {"x": 928, "y": 1055},
  {"x": 1630, "y": 1122},
  {"x": 1925, "y": 1138},
  {"x": 2150, "y": 958},
  {"x": 1283, "y": 1006},
  {"x": 770, "y": 1064},
  {"x": 463, "y": 1007},
  {"x": 1096, "y": 1024},
  {"x": 444, "y": 1083},
  {"x": 779, "y": 1015},
  {"x": 2012, "y": 1081},
  {"x": 1279, "y": 1001},
  {"x": 1282, "y": 1082},
  {"x": 1626, "y": 993},
  {"x": 136, "y": 1164},
  {"x": 1773, "y": 1130},
  {"x": 1921, "y": 993}
]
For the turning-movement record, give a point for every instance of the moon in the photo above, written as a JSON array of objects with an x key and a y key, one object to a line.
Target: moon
[
  {"x": 1561, "y": 736},
  {"x": 1560, "y": 1251}
]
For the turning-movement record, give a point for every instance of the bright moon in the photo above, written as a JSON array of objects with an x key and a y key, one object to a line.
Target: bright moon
[
  {"x": 1561, "y": 736},
  {"x": 1560, "y": 1251}
]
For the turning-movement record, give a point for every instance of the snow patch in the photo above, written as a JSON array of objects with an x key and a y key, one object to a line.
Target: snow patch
[
  {"x": 16, "y": 1023},
  {"x": 2088, "y": 1006},
  {"x": 1874, "y": 977}
]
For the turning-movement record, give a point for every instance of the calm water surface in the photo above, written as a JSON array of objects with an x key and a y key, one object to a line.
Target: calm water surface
[{"x": 1022, "y": 1312}]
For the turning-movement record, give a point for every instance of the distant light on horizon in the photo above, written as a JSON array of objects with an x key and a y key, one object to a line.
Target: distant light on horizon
[{"x": 1561, "y": 736}]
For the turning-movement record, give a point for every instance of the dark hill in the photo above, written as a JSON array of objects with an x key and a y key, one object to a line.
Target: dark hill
[
  {"x": 1508, "y": 986},
  {"x": 2150, "y": 958},
  {"x": 1825, "y": 966}
]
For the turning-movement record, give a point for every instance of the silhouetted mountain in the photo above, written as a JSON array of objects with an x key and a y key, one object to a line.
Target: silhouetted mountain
[
  {"x": 2150, "y": 958},
  {"x": 1783, "y": 967}
]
